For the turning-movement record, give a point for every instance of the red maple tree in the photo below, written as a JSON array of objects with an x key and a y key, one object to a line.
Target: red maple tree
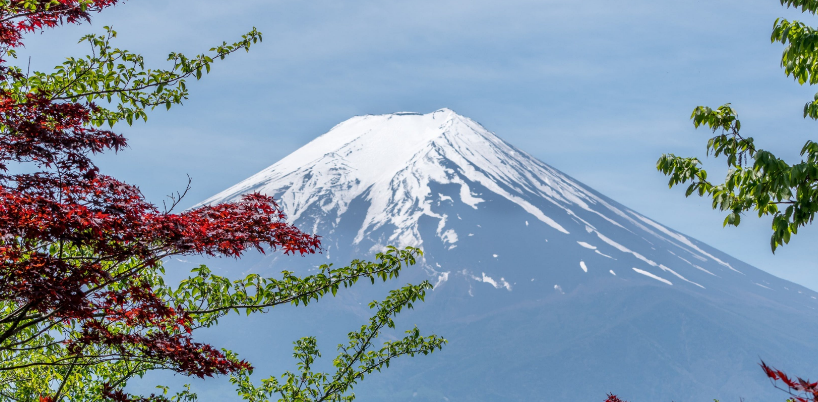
[{"x": 69, "y": 234}]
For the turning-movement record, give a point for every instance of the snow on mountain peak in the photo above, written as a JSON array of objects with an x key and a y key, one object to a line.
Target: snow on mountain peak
[
  {"x": 394, "y": 157},
  {"x": 393, "y": 160}
]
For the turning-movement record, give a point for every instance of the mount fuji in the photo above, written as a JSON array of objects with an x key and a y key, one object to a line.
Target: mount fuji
[{"x": 545, "y": 289}]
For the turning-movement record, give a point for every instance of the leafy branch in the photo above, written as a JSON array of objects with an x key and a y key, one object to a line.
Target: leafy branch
[
  {"x": 207, "y": 297},
  {"x": 355, "y": 360},
  {"x": 119, "y": 77},
  {"x": 769, "y": 186}
]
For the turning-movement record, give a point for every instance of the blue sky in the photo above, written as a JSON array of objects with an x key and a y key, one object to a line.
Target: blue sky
[{"x": 598, "y": 89}]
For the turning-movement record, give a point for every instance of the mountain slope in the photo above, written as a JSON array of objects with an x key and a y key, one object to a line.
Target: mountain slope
[{"x": 546, "y": 289}]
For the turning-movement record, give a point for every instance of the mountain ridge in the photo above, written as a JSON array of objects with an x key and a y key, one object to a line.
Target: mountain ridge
[{"x": 344, "y": 164}]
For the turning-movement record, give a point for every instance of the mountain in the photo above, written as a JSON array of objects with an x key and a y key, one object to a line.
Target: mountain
[{"x": 546, "y": 289}]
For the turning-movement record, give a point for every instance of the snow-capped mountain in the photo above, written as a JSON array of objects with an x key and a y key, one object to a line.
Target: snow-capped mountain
[
  {"x": 546, "y": 289},
  {"x": 394, "y": 159}
]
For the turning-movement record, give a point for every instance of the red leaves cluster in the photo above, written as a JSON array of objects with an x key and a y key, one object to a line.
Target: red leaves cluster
[
  {"x": 613, "y": 398},
  {"x": 67, "y": 204},
  {"x": 156, "y": 331},
  {"x": 117, "y": 395},
  {"x": 52, "y": 134},
  {"x": 17, "y": 18},
  {"x": 800, "y": 389}
]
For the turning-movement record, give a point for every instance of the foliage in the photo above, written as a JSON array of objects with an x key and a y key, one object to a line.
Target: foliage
[
  {"x": 83, "y": 303},
  {"x": 354, "y": 361},
  {"x": 757, "y": 179},
  {"x": 800, "y": 390},
  {"x": 205, "y": 298}
]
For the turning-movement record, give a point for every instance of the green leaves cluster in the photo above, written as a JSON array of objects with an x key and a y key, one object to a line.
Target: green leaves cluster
[
  {"x": 354, "y": 361},
  {"x": 36, "y": 362},
  {"x": 801, "y": 48},
  {"x": 120, "y": 78},
  {"x": 810, "y": 6},
  {"x": 208, "y": 297},
  {"x": 45, "y": 367},
  {"x": 757, "y": 180}
]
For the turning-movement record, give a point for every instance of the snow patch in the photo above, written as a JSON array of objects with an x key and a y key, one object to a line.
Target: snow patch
[
  {"x": 586, "y": 245},
  {"x": 604, "y": 255},
  {"x": 467, "y": 197},
  {"x": 650, "y": 275},
  {"x": 694, "y": 265},
  {"x": 583, "y": 266},
  {"x": 612, "y": 272},
  {"x": 683, "y": 240},
  {"x": 666, "y": 269},
  {"x": 625, "y": 249},
  {"x": 558, "y": 288},
  {"x": 643, "y": 258}
]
